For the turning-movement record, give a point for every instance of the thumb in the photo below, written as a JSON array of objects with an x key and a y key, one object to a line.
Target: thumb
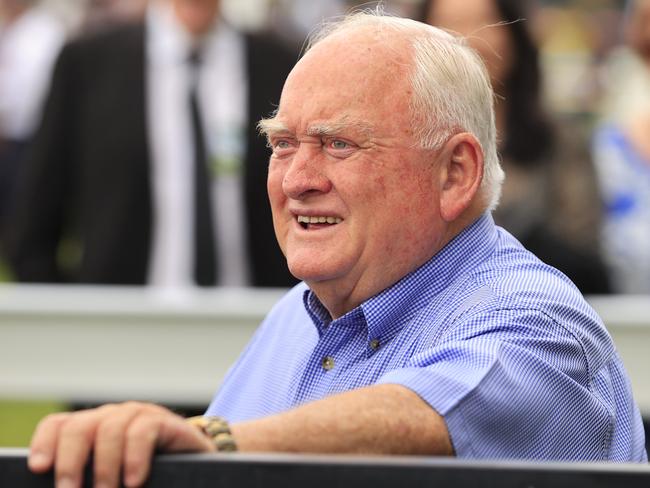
[{"x": 178, "y": 435}]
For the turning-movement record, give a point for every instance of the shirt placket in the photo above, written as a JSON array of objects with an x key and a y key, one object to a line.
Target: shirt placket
[{"x": 330, "y": 356}]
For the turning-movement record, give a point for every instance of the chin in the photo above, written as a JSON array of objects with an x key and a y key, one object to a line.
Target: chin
[
  {"x": 306, "y": 273},
  {"x": 312, "y": 271}
]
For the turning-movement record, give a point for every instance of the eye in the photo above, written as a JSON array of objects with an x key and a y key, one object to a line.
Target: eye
[
  {"x": 338, "y": 144},
  {"x": 282, "y": 147},
  {"x": 339, "y": 148}
]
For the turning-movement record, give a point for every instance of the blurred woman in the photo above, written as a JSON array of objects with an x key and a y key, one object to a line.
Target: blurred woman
[
  {"x": 549, "y": 199},
  {"x": 622, "y": 157}
]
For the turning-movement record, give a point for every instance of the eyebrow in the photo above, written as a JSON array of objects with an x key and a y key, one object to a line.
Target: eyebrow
[{"x": 273, "y": 126}]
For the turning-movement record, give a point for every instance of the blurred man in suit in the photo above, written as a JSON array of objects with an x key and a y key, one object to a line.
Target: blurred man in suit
[{"x": 113, "y": 169}]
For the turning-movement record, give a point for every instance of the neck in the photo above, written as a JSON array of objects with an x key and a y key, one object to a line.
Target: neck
[{"x": 340, "y": 296}]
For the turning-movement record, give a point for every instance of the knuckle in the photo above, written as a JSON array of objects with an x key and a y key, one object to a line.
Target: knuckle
[
  {"x": 62, "y": 473},
  {"x": 102, "y": 472},
  {"x": 107, "y": 407},
  {"x": 140, "y": 408},
  {"x": 59, "y": 416},
  {"x": 74, "y": 429},
  {"x": 54, "y": 419},
  {"x": 143, "y": 427},
  {"x": 154, "y": 409},
  {"x": 79, "y": 424},
  {"x": 132, "y": 404},
  {"x": 65, "y": 469},
  {"x": 109, "y": 428}
]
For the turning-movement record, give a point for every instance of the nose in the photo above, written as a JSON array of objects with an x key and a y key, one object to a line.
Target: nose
[{"x": 304, "y": 176}]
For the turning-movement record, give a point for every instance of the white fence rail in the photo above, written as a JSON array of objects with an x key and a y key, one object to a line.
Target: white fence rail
[{"x": 95, "y": 344}]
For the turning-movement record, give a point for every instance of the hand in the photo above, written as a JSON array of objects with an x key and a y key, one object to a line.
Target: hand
[{"x": 123, "y": 437}]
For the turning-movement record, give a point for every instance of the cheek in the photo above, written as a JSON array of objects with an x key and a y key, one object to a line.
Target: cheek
[
  {"x": 411, "y": 216},
  {"x": 395, "y": 212},
  {"x": 277, "y": 199},
  {"x": 274, "y": 184}
]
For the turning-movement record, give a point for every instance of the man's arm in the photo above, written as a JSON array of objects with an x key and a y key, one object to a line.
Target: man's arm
[{"x": 381, "y": 419}]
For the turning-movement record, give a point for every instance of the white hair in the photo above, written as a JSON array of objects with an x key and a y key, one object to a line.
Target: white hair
[{"x": 451, "y": 88}]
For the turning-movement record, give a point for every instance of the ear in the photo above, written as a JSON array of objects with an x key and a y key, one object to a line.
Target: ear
[{"x": 461, "y": 175}]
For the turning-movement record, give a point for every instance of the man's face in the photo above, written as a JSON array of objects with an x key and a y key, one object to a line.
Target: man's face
[
  {"x": 197, "y": 16},
  {"x": 354, "y": 199}
]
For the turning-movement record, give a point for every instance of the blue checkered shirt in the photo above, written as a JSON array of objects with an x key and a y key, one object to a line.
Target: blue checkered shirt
[{"x": 501, "y": 345}]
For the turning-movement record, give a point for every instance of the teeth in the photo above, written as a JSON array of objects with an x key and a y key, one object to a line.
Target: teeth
[{"x": 319, "y": 220}]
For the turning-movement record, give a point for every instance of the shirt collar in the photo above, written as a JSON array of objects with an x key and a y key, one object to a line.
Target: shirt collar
[{"x": 384, "y": 314}]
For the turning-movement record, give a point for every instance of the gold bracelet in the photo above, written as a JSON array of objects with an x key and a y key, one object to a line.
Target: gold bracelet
[{"x": 217, "y": 429}]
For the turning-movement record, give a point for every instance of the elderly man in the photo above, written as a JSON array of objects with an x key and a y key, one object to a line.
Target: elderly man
[{"x": 421, "y": 327}]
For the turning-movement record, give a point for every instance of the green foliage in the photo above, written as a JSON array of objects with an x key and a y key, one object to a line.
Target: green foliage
[
  {"x": 5, "y": 274},
  {"x": 19, "y": 418}
]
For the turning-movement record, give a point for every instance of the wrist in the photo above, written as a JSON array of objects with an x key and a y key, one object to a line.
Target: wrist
[{"x": 217, "y": 429}]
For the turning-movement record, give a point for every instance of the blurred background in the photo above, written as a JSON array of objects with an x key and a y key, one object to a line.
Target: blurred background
[{"x": 573, "y": 111}]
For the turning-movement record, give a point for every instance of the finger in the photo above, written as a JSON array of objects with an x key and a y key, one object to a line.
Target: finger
[
  {"x": 140, "y": 443},
  {"x": 76, "y": 438},
  {"x": 109, "y": 443},
  {"x": 42, "y": 447},
  {"x": 166, "y": 431}
]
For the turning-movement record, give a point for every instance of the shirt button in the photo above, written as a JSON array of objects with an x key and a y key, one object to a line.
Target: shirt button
[
  {"x": 327, "y": 363},
  {"x": 374, "y": 344}
]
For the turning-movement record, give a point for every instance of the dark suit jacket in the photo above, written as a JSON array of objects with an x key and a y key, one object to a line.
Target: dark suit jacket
[{"x": 88, "y": 172}]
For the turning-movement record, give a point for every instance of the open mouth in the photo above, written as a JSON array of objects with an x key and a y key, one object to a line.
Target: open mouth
[{"x": 309, "y": 222}]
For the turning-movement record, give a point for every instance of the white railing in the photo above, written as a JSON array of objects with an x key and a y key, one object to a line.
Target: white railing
[{"x": 94, "y": 344}]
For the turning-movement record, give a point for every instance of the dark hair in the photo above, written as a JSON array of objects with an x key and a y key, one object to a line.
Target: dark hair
[{"x": 529, "y": 137}]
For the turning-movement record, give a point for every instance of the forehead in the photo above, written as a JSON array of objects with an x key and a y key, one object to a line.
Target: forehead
[{"x": 350, "y": 76}]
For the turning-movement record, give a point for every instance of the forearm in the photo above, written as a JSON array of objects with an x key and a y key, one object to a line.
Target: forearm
[{"x": 381, "y": 419}]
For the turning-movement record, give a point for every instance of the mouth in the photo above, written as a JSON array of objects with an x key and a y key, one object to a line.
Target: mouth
[{"x": 317, "y": 221}]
